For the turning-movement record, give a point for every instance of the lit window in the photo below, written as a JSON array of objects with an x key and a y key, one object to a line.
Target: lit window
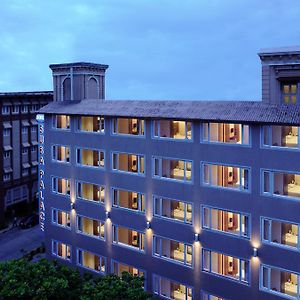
[
  {"x": 128, "y": 237},
  {"x": 226, "y": 266},
  {"x": 61, "y": 250},
  {"x": 129, "y": 126},
  {"x": 90, "y": 227},
  {"x": 280, "y": 136},
  {"x": 226, "y": 133},
  {"x": 90, "y": 158},
  {"x": 173, "y": 209},
  {"x": 233, "y": 177},
  {"x": 90, "y": 192},
  {"x": 280, "y": 233},
  {"x": 91, "y": 261},
  {"x": 169, "y": 289},
  {"x": 290, "y": 93},
  {"x": 61, "y": 122},
  {"x": 130, "y": 163},
  {"x": 61, "y": 153},
  {"x": 208, "y": 296},
  {"x": 174, "y": 169},
  {"x": 127, "y": 199},
  {"x": 171, "y": 129},
  {"x": 118, "y": 269},
  {"x": 226, "y": 221},
  {"x": 91, "y": 124},
  {"x": 280, "y": 282},
  {"x": 61, "y": 186},
  {"x": 282, "y": 184},
  {"x": 61, "y": 218},
  {"x": 173, "y": 250}
]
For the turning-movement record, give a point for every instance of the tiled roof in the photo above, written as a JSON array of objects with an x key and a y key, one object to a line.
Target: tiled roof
[
  {"x": 280, "y": 51},
  {"x": 234, "y": 111},
  {"x": 29, "y": 94}
]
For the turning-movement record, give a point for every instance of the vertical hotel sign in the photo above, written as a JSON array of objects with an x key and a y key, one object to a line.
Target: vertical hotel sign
[{"x": 41, "y": 185}]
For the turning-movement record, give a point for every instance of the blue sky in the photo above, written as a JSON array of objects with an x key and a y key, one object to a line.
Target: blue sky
[{"x": 156, "y": 49}]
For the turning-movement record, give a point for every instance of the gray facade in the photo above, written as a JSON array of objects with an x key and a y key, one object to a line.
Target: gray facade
[
  {"x": 218, "y": 210},
  {"x": 19, "y": 151}
]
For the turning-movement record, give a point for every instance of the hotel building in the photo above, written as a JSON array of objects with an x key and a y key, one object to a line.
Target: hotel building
[
  {"x": 18, "y": 151},
  {"x": 202, "y": 198}
]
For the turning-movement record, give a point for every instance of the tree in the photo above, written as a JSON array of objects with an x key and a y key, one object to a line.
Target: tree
[{"x": 21, "y": 279}]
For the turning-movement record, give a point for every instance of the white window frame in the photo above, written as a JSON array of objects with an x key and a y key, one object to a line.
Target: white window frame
[
  {"x": 139, "y": 157},
  {"x": 157, "y": 244},
  {"x": 160, "y": 175},
  {"x": 116, "y": 202},
  {"x": 269, "y": 241},
  {"x": 55, "y": 153},
  {"x": 54, "y": 218},
  {"x": 157, "y": 279},
  {"x": 54, "y": 250},
  {"x": 160, "y": 200},
  {"x": 241, "y": 235},
  {"x": 209, "y": 184},
  {"x": 101, "y": 125},
  {"x": 79, "y": 259},
  {"x": 79, "y": 191},
  {"x": 239, "y": 280},
  {"x": 79, "y": 157},
  {"x": 54, "y": 181},
  {"x": 116, "y": 238},
  {"x": 79, "y": 223},
  {"x": 268, "y": 289},
  {"x": 208, "y": 141},
  {"x": 159, "y": 136},
  {"x": 114, "y": 127}
]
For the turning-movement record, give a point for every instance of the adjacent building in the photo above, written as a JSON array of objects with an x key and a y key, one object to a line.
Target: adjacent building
[
  {"x": 19, "y": 149},
  {"x": 202, "y": 198}
]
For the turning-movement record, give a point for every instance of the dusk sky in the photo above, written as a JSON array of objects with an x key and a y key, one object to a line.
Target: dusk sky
[{"x": 158, "y": 49}]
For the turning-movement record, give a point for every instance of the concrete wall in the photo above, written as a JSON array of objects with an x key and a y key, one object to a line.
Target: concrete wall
[{"x": 252, "y": 203}]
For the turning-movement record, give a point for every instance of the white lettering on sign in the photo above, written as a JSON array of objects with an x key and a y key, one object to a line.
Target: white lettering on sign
[{"x": 42, "y": 214}]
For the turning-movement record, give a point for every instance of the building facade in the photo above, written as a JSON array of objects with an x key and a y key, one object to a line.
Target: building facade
[
  {"x": 201, "y": 198},
  {"x": 19, "y": 150}
]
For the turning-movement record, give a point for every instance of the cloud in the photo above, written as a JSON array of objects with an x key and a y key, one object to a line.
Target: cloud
[{"x": 167, "y": 49}]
